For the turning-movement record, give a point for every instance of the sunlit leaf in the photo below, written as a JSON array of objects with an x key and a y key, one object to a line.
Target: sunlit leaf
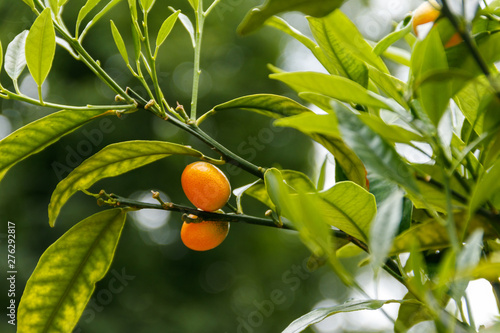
[
  {"x": 103, "y": 12},
  {"x": 486, "y": 187},
  {"x": 41, "y": 47},
  {"x": 350, "y": 208},
  {"x": 165, "y": 29},
  {"x": 402, "y": 29},
  {"x": 40, "y": 134},
  {"x": 332, "y": 86},
  {"x": 111, "y": 161},
  {"x": 273, "y": 106},
  {"x": 280, "y": 24},
  {"x": 15, "y": 59},
  {"x": 391, "y": 133},
  {"x": 147, "y": 5},
  {"x": 317, "y": 315},
  {"x": 194, "y": 4},
  {"x": 64, "y": 279},
  {"x": 120, "y": 44},
  {"x": 377, "y": 155},
  {"x": 84, "y": 11},
  {"x": 326, "y": 32},
  {"x": 257, "y": 16}
]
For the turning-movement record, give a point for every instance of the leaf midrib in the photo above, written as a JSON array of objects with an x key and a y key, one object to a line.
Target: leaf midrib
[{"x": 75, "y": 276}]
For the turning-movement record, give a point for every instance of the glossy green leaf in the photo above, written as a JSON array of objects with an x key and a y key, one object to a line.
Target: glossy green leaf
[
  {"x": 328, "y": 35},
  {"x": 429, "y": 56},
  {"x": 111, "y": 161},
  {"x": 390, "y": 85},
  {"x": 487, "y": 186},
  {"x": 384, "y": 228},
  {"x": 132, "y": 5},
  {"x": 321, "y": 101},
  {"x": 41, "y": 47},
  {"x": 377, "y": 155},
  {"x": 280, "y": 24},
  {"x": 15, "y": 59},
  {"x": 336, "y": 87},
  {"x": 84, "y": 11},
  {"x": 269, "y": 105},
  {"x": 390, "y": 133},
  {"x": 165, "y": 29},
  {"x": 103, "y": 12},
  {"x": 257, "y": 16},
  {"x": 146, "y": 5},
  {"x": 304, "y": 210},
  {"x": 337, "y": 33},
  {"x": 350, "y": 208},
  {"x": 64, "y": 279},
  {"x": 297, "y": 181},
  {"x": 120, "y": 44},
  {"x": 38, "y": 135},
  {"x": 324, "y": 130},
  {"x": 317, "y": 315},
  {"x": 410, "y": 314},
  {"x": 469, "y": 101},
  {"x": 30, "y": 3},
  {"x": 402, "y": 29},
  {"x": 188, "y": 25}
]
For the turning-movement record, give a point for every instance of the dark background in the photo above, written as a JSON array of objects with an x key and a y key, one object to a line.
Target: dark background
[{"x": 169, "y": 288}]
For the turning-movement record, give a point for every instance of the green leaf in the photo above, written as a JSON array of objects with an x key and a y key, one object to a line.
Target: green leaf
[
  {"x": 410, "y": 314},
  {"x": 332, "y": 86},
  {"x": 486, "y": 187},
  {"x": 404, "y": 27},
  {"x": 41, "y": 47},
  {"x": 390, "y": 133},
  {"x": 384, "y": 228},
  {"x": 328, "y": 35},
  {"x": 431, "y": 235},
  {"x": 337, "y": 33},
  {"x": 30, "y": 3},
  {"x": 147, "y": 5},
  {"x": 469, "y": 101},
  {"x": 317, "y": 315},
  {"x": 38, "y": 135},
  {"x": 103, "y": 12},
  {"x": 392, "y": 86},
  {"x": 282, "y": 25},
  {"x": 15, "y": 59},
  {"x": 84, "y": 11},
  {"x": 324, "y": 130},
  {"x": 257, "y": 16},
  {"x": 165, "y": 29},
  {"x": 377, "y": 155},
  {"x": 429, "y": 56},
  {"x": 119, "y": 42},
  {"x": 304, "y": 210},
  {"x": 54, "y": 6},
  {"x": 64, "y": 279},
  {"x": 111, "y": 161},
  {"x": 188, "y": 25},
  {"x": 350, "y": 208},
  {"x": 273, "y": 106}
]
